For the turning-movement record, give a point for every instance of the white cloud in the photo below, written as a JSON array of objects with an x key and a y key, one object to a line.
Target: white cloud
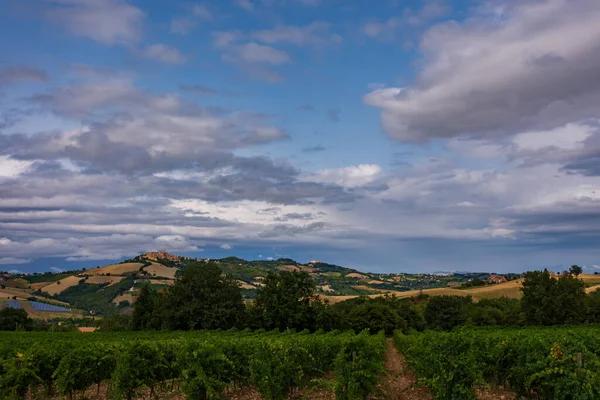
[
  {"x": 353, "y": 176},
  {"x": 226, "y": 246},
  {"x": 56, "y": 270},
  {"x": 11, "y": 168},
  {"x": 105, "y": 21},
  {"x": 164, "y": 53}
]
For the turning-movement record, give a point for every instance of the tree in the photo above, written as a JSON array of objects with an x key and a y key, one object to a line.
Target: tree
[
  {"x": 12, "y": 319},
  {"x": 575, "y": 270},
  {"x": 143, "y": 310},
  {"x": 550, "y": 301},
  {"x": 375, "y": 317},
  {"x": 203, "y": 298},
  {"x": 447, "y": 312},
  {"x": 285, "y": 300}
]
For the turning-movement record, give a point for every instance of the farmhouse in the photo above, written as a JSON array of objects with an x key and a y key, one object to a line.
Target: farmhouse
[{"x": 496, "y": 279}]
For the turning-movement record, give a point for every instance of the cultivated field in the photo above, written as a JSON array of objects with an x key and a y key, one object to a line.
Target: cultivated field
[
  {"x": 63, "y": 284},
  {"x": 507, "y": 289},
  {"x": 100, "y": 279},
  {"x": 134, "y": 365},
  {"x": 116, "y": 269},
  {"x": 161, "y": 270}
]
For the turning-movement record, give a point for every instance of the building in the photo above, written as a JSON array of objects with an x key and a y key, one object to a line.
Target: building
[{"x": 496, "y": 279}]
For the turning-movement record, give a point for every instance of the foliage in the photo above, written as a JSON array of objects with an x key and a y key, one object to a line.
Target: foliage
[
  {"x": 285, "y": 300},
  {"x": 375, "y": 317},
  {"x": 203, "y": 298},
  {"x": 14, "y": 319},
  {"x": 86, "y": 296},
  {"x": 202, "y": 363},
  {"x": 535, "y": 362},
  {"x": 447, "y": 312},
  {"x": 550, "y": 301}
]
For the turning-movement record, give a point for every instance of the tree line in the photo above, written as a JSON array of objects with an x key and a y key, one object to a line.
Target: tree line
[{"x": 205, "y": 298}]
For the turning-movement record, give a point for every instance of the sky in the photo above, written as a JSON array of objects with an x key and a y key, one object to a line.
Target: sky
[{"x": 387, "y": 136}]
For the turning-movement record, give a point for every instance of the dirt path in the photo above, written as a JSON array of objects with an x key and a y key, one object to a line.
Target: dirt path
[{"x": 399, "y": 383}]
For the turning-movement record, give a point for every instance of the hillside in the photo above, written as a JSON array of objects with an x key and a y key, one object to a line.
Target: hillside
[{"x": 113, "y": 288}]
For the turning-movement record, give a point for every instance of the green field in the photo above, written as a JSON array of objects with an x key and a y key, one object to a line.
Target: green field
[
  {"x": 535, "y": 362},
  {"x": 195, "y": 364}
]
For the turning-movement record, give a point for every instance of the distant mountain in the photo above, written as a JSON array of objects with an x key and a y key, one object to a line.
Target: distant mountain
[{"x": 113, "y": 288}]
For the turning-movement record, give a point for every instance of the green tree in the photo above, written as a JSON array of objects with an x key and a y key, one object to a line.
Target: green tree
[
  {"x": 203, "y": 298},
  {"x": 550, "y": 301},
  {"x": 143, "y": 310},
  {"x": 575, "y": 270},
  {"x": 375, "y": 317},
  {"x": 285, "y": 300},
  {"x": 12, "y": 319},
  {"x": 447, "y": 312}
]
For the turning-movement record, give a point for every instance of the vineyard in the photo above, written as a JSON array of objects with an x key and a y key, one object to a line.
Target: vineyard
[
  {"x": 199, "y": 365},
  {"x": 537, "y": 362}
]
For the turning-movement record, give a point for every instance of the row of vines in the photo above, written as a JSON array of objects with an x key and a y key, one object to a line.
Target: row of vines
[
  {"x": 201, "y": 365},
  {"x": 536, "y": 362}
]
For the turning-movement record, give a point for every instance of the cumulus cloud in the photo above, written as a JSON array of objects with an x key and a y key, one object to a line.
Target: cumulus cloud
[
  {"x": 104, "y": 21},
  {"x": 164, "y": 53},
  {"x": 544, "y": 82},
  {"x": 226, "y": 246}
]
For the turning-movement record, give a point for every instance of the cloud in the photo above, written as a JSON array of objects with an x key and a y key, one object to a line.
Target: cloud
[
  {"x": 375, "y": 28},
  {"x": 314, "y": 149},
  {"x": 226, "y": 246},
  {"x": 353, "y": 176},
  {"x": 105, "y": 21},
  {"x": 245, "y": 4},
  {"x": 22, "y": 73},
  {"x": 199, "y": 89},
  {"x": 314, "y": 34},
  {"x": 196, "y": 14},
  {"x": 13, "y": 260},
  {"x": 255, "y": 53},
  {"x": 56, "y": 270},
  {"x": 307, "y": 107},
  {"x": 333, "y": 114},
  {"x": 164, "y": 53},
  {"x": 547, "y": 82}
]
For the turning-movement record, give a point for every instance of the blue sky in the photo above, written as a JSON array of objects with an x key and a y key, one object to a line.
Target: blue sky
[{"x": 429, "y": 135}]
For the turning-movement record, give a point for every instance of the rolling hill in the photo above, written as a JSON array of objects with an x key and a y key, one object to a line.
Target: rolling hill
[{"x": 113, "y": 288}]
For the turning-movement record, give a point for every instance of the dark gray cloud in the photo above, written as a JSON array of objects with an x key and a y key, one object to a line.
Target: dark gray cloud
[
  {"x": 333, "y": 114},
  {"x": 199, "y": 89},
  {"x": 314, "y": 149},
  {"x": 292, "y": 230},
  {"x": 22, "y": 73},
  {"x": 307, "y": 107}
]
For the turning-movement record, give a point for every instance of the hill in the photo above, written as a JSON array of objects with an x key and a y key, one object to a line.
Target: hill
[{"x": 113, "y": 288}]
